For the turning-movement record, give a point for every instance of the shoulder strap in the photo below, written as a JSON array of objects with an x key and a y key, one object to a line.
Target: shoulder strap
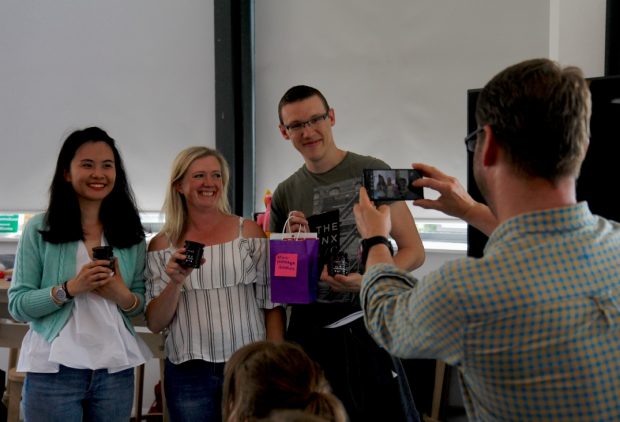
[{"x": 240, "y": 226}]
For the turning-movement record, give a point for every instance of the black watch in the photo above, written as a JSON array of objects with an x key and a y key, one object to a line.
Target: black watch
[
  {"x": 64, "y": 287},
  {"x": 372, "y": 241}
]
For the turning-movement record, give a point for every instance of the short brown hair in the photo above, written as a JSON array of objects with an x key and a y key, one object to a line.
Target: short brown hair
[
  {"x": 299, "y": 93},
  {"x": 264, "y": 376},
  {"x": 540, "y": 114}
]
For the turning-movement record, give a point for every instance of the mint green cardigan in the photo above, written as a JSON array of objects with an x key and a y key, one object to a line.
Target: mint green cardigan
[{"x": 40, "y": 265}]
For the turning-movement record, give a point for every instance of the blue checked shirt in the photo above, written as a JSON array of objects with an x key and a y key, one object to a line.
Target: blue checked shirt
[{"x": 533, "y": 327}]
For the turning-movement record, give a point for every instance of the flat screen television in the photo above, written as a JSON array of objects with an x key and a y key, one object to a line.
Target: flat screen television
[{"x": 600, "y": 170}]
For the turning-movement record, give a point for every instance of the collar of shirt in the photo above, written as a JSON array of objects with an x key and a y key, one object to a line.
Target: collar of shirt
[{"x": 568, "y": 218}]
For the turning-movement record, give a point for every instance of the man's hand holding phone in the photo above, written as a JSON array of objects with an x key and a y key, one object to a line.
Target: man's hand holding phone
[
  {"x": 453, "y": 199},
  {"x": 371, "y": 221},
  {"x": 387, "y": 185}
]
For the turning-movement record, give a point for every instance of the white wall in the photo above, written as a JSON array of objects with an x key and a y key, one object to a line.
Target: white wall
[
  {"x": 141, "y": 69},
  {"x": 397, "y": 72},
  {"x": 577, "y": 34},
  {"x": 8, "y": 247}
]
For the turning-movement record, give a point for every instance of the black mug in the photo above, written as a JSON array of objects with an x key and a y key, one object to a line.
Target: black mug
[
  {"x": 104, "y": 252},
  {"x": 193, "y": 254},
  {"x": 338, "y": 264}
]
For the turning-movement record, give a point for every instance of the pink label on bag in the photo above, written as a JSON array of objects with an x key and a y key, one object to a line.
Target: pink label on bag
[{"x": 286, "y": 265}]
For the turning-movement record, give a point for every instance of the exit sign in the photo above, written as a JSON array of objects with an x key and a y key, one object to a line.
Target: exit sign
[{"x": 9, "y": 223}]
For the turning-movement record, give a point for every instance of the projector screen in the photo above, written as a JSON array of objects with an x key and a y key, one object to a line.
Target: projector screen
[
  {"x": 395, "y": 72},
  {"x": 143, "y": 70}
]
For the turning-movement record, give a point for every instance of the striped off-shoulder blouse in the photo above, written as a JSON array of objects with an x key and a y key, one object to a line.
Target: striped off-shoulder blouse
[{"x": 222, "y": 302}]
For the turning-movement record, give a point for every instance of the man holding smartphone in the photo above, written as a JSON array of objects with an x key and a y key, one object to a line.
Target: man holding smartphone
[
  {"x": 533, "y": 325},
  {"x": 332, "y": 330}
]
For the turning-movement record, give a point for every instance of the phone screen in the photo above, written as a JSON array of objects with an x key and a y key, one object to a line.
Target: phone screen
[{"x": 392, "y": 184}]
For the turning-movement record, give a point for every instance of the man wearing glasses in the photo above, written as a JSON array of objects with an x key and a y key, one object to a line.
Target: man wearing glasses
[
  {"x": 533, "y": 325},
  {"x": 332, "y": 330}
]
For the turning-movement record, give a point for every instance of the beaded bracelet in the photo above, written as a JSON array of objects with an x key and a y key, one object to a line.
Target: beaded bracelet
[{"x": 134, "y": 305}]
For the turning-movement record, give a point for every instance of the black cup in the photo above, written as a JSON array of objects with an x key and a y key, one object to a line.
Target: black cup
[
  {"x": 193, "y": 254},
  {"x": 338, "y": 264},
  {"x": 104, "y": 252}
]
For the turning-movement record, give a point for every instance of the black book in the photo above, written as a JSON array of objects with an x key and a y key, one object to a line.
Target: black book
[{"x": 327, "y": 227}]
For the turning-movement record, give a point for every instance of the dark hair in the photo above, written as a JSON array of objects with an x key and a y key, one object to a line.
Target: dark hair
[
  {"x": 298, "y": 93},
  {"x": 264, "y": 376},
  {"x": 540, "y": 114},
  {"x": 118, "y": 213}
]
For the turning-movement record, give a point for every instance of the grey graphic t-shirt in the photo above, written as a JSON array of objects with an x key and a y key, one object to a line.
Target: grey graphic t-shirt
[{"x": 317, "y": 193}]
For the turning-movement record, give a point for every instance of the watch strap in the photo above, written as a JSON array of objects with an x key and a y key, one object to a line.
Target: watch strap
[
  {"x": 64, "y": 287},
  {"x": 372, "y": 241}
]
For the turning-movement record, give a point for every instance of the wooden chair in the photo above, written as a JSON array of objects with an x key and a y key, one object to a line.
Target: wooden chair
[
  {"x": 14, "y": 394},
  {"x": 439, "y": 392},
  {"x": 156, "y": 344},
  {"x": 11, "y": 334}
]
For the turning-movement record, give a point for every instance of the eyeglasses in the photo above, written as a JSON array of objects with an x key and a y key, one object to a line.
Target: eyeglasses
[
  {"x": 297, "y": 127},
  {"x": 470, "y": 140}
]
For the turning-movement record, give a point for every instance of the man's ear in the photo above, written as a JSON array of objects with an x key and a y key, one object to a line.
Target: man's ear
[
  {"x": 332, "y": 116},
  {"x": 283, "y": 132},
  {"x": 490, "y": 148},
  {"x": 584, "y": 149}
]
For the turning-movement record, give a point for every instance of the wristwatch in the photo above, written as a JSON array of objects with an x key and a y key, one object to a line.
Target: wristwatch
[
  {"x": 372, "y": 241},
  {"x": 61, "y": 294}
]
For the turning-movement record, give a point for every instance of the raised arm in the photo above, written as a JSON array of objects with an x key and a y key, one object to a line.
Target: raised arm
[
  {"x": 163, "y": 306},
  {"x": 410, "y": 254},
  {"x": 453, "y": 199}
]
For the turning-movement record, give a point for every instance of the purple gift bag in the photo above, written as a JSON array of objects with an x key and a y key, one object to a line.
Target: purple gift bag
[{"x": 293, "y": 267}]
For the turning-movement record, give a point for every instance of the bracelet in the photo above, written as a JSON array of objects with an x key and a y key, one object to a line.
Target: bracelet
[
  {"x": 134, "y": 305},
  {"x": 64, "y": 286}
]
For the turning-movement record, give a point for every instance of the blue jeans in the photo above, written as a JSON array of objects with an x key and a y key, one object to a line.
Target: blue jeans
[
  {"x": 75, "y": 395},
  {"x": 194, "y": 390}
]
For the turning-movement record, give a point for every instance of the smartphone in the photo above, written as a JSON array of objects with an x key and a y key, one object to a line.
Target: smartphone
[{"x": 391, "y": 184}]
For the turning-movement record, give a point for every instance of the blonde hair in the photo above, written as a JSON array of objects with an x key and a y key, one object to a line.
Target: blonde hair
[
  {"x": 175, "y": 207},
  {"x": 265, "y": 376}
]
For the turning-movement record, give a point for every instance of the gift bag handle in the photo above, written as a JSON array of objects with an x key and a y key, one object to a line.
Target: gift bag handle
[{"x": 288, "y": 222}]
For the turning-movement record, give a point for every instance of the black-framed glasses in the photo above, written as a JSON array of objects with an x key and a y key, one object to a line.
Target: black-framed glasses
[
  {"x": 470, "y": 140},
  {"x": 298, "y": 126}
]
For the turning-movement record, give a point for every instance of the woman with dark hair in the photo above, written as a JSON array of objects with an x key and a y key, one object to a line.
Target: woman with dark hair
[
  {"x": 81, "y": 348},
  {"x": 266, "y": 376}
]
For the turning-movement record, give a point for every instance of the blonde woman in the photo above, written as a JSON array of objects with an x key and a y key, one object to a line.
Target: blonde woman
[{"x": 210, "y": 311}]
